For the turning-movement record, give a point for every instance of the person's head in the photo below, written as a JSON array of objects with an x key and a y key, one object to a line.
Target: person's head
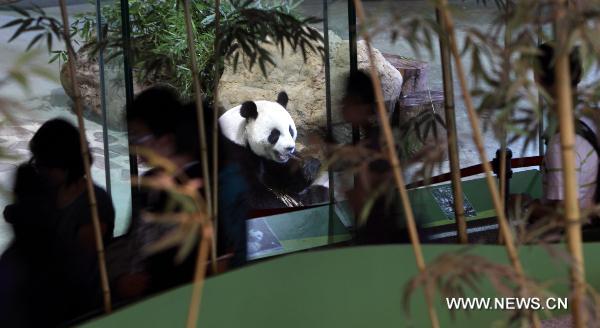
[
  {"x": 152, "y": 119},
  {"x": 545, "y": 74},
  {"x": 56, "y": 152},
  {"x": 359, "y": 101},
  {"x": 186, "y": 133}
]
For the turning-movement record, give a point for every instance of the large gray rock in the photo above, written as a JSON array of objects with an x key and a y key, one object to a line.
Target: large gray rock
[
  {"x": 88, "y": 80},
  {"x": 305, "y": 84}
]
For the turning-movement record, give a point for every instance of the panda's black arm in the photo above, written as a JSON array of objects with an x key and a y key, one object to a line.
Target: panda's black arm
[{"x": 294, "y": 176}]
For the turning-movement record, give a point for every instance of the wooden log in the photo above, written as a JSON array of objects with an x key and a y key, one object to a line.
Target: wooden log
[
  {"x": 415, "y": 73},
  {"x": 414, "y": 104},
  {"x": 414, "y": 108}
]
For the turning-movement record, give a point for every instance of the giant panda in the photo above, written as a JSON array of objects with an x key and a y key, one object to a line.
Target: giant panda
[{"x": 262, "y": 135}]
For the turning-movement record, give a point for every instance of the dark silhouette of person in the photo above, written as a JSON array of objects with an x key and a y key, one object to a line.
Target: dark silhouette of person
[
  {"x": 152, "y": 119},
  {"x": 24, "y": 262},
  {"x": 586, "y": 140},
  {"x": 233, "y": 207},
  {"x": 160, "y": 123},
  {"x": 59, "y": 234},
  {"x": 382, "y": 224},
  {"x": 53, "y": 252}
]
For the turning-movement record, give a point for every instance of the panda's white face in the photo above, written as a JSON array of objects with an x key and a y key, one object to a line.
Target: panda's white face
[
  {"x": 272, "y": 134},
  {"x": 265, "y": 126}
]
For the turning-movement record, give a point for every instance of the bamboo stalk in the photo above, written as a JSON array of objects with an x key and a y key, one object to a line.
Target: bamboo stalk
[
  {"x": 215, "y": 125},
  {"x": 564, "y": 107},
  {"x": 474, "y": 121},
  {"x": 504, "y": 227},
  {"x": 199, "y": 275},
  {"x": 200, "y": 114},
  {"x": 85, "y": 154},
  {"x": 397, "y": 169},
  {"x": 204, "y": 244},
  {"x": 459, "y": 209}
]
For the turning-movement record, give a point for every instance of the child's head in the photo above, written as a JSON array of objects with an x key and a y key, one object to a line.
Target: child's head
[
  {"x": 27, "y": 181},
  {"x": 359, "y": 101},
  {"x": 56, "y": 150}
]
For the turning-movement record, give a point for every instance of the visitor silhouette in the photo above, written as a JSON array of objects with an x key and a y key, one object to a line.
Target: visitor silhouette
[
  {"x": 54, "y": 248},
  {"x": 382, "y": 223}
]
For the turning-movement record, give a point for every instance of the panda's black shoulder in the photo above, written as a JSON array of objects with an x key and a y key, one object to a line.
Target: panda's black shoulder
[{"x": 238, "y": 153}]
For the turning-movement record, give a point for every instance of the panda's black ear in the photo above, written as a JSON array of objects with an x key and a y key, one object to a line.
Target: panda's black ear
[
  {"x": 282, "y": 99},
  {"x": 249, "y": 110}
]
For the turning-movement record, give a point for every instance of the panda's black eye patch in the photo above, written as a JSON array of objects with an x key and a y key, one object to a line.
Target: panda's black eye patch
[
  {"x": 274, "y": 136},
  {"x": 291, "y": 131}
]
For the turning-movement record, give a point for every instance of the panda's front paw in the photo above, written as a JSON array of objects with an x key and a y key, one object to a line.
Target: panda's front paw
[{"x": 312, "y": 166}]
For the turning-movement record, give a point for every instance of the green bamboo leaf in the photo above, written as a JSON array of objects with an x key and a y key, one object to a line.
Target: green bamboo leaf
[
  {"x": 25, "y": 58},
  {"x": 188, "y": 244},
  {"x": 38, "y": 10},
  {"x": 44, "y": 72},
  {"x": 369, "y": 203},
  {"x": 49, "y": 41},
  {"x": 440, "y": 121},
  {"x": 20, "y": 78},
  {"x": 236, "y": 58},
  {"x": 428, "y": 127},
  {"x": 172, "y": 239},
  {"x": 54, "y": 58},
  {"x": 20, "y": 11},
  {"x": 12, "y": 23},
  {"x": 34, "y": 40},
  {"x": 20, "y": 30},
  {"x": 208, "y": 20}
]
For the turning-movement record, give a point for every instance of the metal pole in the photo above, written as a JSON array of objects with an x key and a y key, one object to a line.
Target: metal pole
[
  {"x": 353, "y": 56},
  {"x": 128, "y": 75},
  {"x": 352, "y": 37},
  {"x": 330, "y": 176},
  {"x": 541, "y": 148},
  {"x": 502, "y": 178},
  {"x": 128, "y": 81},
  {"x": 103, "y": 98}
]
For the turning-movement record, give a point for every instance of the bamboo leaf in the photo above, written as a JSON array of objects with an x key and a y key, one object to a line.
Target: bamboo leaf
[
  {"x": 20, "y": 30},
  {"x": 12, "y": 23},
  {"x": 34, "y": 40},
  {"x": 44, "y": 72},
  {"x": 189, "y": 242},
  {"x": 20, "y": 11},
  {"x": 20, "y": 78}
]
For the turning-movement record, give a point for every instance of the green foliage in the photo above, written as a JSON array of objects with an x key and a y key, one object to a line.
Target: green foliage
[
  {"x": 158, "y": 45},
  {"x": 47, "y": 27},
  {"x": 503, "y": 58}
]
